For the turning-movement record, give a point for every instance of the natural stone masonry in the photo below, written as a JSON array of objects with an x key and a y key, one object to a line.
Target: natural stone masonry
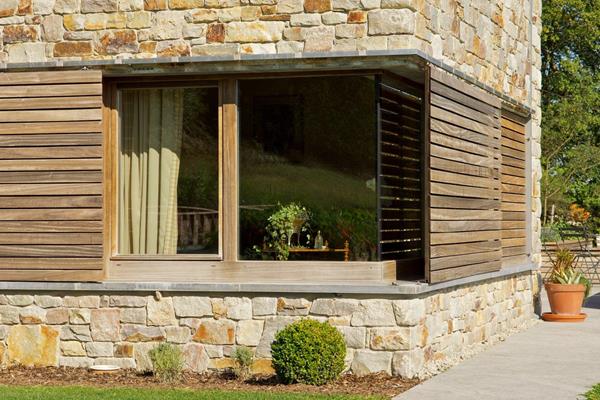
[{"x": 406, "y": 337}]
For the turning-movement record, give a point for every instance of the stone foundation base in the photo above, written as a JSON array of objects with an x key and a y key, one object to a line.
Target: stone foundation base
[{"x": 413, "y": 337}]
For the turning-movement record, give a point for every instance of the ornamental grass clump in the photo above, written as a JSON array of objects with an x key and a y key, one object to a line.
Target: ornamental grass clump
[
  {"x": 308, "y": 351},
  {"x": 244, "y": 358},
  {"x": 167, "y": 362}
]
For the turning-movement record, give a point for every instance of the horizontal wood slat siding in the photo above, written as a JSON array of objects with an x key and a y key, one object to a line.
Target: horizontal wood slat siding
[
  {"x": 465, "y": 186},
  {"x": 51, "y": 151},
  {"x": 400, "y": 204},
  {"x": 514, "y": 206}
]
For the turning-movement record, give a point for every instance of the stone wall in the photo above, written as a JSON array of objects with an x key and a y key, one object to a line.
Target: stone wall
[{"x": 407, "y": 337}]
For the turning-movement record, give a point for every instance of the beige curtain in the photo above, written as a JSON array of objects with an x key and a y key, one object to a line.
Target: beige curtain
[{"x": 151, "y": 132}]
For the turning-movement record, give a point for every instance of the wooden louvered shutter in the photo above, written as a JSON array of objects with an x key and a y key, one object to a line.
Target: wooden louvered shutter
[
  {"x": 514, "y": 205},
  {"x": 51, "y": 176},
  {"x": 400, "y": 174},
  {"x": 465, "y": 187}
]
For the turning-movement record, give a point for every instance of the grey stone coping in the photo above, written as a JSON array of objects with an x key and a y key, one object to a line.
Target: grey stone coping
[
  {"x": 398, "y": 288},
  {"x": 519, "y": 108}
]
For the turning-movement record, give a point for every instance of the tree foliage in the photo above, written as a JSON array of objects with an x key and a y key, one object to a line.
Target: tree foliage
[{"x": 571, "y": 104}]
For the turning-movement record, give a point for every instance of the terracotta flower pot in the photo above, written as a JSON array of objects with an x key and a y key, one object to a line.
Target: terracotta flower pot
[{"x": 565, "y": 299}]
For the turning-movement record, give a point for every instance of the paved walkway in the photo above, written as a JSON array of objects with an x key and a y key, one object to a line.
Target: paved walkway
[{"x": 548, "y": 361}]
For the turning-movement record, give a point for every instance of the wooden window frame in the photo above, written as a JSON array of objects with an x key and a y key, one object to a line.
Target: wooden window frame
[
  {"x": 111, "y": 167},
  {"x": 226, "y": 265}
]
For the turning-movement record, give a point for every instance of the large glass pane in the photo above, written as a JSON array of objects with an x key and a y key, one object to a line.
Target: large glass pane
[
  {"x": 168, "y": 171},
  {"x": 308, "y": 169}
]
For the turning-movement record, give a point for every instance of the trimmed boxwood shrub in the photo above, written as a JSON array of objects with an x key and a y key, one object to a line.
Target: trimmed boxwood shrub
[{"x": 308, "y": 351}]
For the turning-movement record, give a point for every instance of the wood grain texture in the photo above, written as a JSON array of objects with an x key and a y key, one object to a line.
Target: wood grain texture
[
  {"x": 465, "y": 179},
  {"x": 51, "y": 184},
  {"x": 514, "y": 206}
]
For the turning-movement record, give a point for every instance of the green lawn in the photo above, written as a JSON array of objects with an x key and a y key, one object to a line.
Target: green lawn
[
  {"x": 86, "y": 393},
  {"x": 594, "y": 393}
]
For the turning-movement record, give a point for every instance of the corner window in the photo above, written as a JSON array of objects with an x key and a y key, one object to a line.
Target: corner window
[
  {"x": 308, "y": 169},
  {"x": 168, "y": 179}
]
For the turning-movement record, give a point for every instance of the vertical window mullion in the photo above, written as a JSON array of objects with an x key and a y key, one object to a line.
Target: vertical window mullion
[{"x": 229, "y": 163}]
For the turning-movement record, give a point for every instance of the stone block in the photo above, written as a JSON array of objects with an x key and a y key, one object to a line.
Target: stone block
[
  {"x": 195, "y": 357},
  {"x": 409, "y": 312},
  {"x": 317, "y": 6},
  {"x": 292, "y": 306},
  {"x": 117, "y": 41},
  {"x": 355, "y": 337},
  {"x": 73, "y": 23},
  {"x": 173, "y": 48},
  {"x": 72, "y": 349},
  {"x": 123, "y": 350},
  {"x": 8, "y": 7},
  {"x": 52, "y": 31},
  {"x": 345, "y": 5},
  {"x": 201, "y": 15},
  {"x": 168, "y": 25},
  {"x": 262, "y": 306},
  {"x": 238, "y": 308},
  {"x": 391, "y": 22},
  {"x": 99, "y": 349},
  {"x": 192, "y": 306},
  {"x": 105, "y": 325},
  {"x": 410, "y": 4},
  {"x": 9, "y": 315},
  {"x": 262, "y": 367},
  {"x": 258, "y": 32},
  {"x": 142, "y": 333},
  {"x": 249, "y": 332},
  {"x": 408, "y": 364},
  {"x": 99, "y": 6},
  {"x": 374, "y": 313},
  {"x": 177, "y": 334},
  {"x": 305, "y": 20},
  {"x": 142, "y": 357},
  {"x": 290, "y": 6},
  {"x": 3, "y": 332},
  {"x": 66, "y": 6},
  {"x": 331, "y": 18},
  {"x": 133, "y": 315},
  {"x": 289, "y": 47},
  {"x": 185, "y": 4},
  {"x": 75, "y": 362},
  {"x": 213, "y": 331},
  {"x": 20, "y": 300},
  {"x": 161, "y": 313},
  {"x": 129, "y": 301},
  {"x": 32, "y": 315},
  {"x": 79, "y": 316},
  {"x": 368, "y": 362},
  {"x": 390, "y": 339},
  {"x": 213, "y": 351},
  {"x": 350, "y": 31},
  {"x": 72, "y": 49},
  {"x": 48, "y": 301},
  {"x": 43, "y": 7},
  {"x": 229, "y": 14},
  {"x": 138, "y": 20},
  {"x": 33, "y": 345},
  {"x": 78, "y": 332}
]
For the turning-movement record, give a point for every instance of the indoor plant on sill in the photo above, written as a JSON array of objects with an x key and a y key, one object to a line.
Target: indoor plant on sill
[{"x": 566, "y": 288}]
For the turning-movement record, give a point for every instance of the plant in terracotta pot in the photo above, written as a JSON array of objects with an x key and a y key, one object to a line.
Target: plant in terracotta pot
[{"x": 566, "y": 288}]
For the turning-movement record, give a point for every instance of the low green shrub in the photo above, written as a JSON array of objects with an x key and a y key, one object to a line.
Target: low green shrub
[
  {"x": 167, "y": 362},
  {"x": 244, "y": 357},
  {"x": 308, "y": 351}
]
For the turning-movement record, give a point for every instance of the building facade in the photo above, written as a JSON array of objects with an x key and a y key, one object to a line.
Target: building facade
[{"x": 204, "y": 172}]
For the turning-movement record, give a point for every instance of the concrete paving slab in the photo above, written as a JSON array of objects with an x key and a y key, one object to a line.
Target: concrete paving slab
[{"x": 549, "y": 361}]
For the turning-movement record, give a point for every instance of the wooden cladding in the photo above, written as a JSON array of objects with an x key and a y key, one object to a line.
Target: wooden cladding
[
  {"x": 464, "y": 187},
  {"x": 400, "y": 172},
  {"x": 514, "y": 205},
  {"x": 51, "y": 176}
]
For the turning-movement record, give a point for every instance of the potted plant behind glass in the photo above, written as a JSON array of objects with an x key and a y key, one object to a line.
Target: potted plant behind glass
[{"x": 566, "y": 288}]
